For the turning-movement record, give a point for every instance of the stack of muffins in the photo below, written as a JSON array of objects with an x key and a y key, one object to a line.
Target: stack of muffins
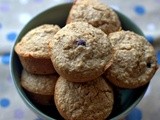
[
  {"x": 77, "y": 66},
  {"x": 39, "y": 76}
]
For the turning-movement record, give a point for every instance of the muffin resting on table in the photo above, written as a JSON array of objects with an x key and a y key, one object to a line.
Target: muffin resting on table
[
  {"x": 33, "y": 49},
  {"x": 96, "y": 13},
  {"x": 80, "y": 52},
  {"x": 91, "y": 100},
  {"x": 40, "y": 88},
  {"x": 134, "y": 60}
]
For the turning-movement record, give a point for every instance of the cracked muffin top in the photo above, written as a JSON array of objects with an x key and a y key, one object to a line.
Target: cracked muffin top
[
  {"x": 96, "y": 13},
  {"x": 80, "y": 52},
  {"x": 134, "y": 60},
  {"x": 91, "y": 100}
]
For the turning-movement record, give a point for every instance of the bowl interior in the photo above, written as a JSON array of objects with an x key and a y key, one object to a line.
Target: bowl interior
[{"x": 126, "y": 98}]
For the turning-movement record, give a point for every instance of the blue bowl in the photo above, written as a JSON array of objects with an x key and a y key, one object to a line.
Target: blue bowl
[{"x": 126, "y": 99}]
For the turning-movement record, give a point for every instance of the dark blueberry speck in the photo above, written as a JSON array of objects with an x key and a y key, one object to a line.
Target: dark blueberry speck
[
  {"x": 81, "y": 42},
  {"x": 149, "y": 65}
]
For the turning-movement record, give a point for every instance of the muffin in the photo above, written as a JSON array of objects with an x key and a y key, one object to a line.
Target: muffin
[
  {"x": 95, "y": 13},
  {"x": 80, "y": 52},
  {"x": 134, "y": 60},
  {"x": 33, "y": 49},
  {"x": 40, "y": 88},
  {"x": 91, "y": 100}
]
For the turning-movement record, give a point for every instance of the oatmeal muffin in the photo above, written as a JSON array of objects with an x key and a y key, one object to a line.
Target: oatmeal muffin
[
  {"x": 91, "y": 100},
  {"x": 96, "y": 13},
  {"x": 40, "y": 88},
  {"x": 33, "y": 49},
  {"x": 80, "y": 52},
  {"x": 134, "y": 60}
]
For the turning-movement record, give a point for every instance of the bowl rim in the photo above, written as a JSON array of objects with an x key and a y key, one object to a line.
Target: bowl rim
[{"x": 31, "y": 106}]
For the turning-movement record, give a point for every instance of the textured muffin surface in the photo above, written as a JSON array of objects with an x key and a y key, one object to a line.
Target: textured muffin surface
[
  {"x": 96, "y": 13},
  {"x": 35, "y": 42},
  {"x": 91, "y": 100},
  {"x": 33, "y": 49},
  {"x": 80, "y": 52},
  {"x": 134, "y": 60},
  {"x": 39, "y": 88},
  {"x": 39, "y": 84}
]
